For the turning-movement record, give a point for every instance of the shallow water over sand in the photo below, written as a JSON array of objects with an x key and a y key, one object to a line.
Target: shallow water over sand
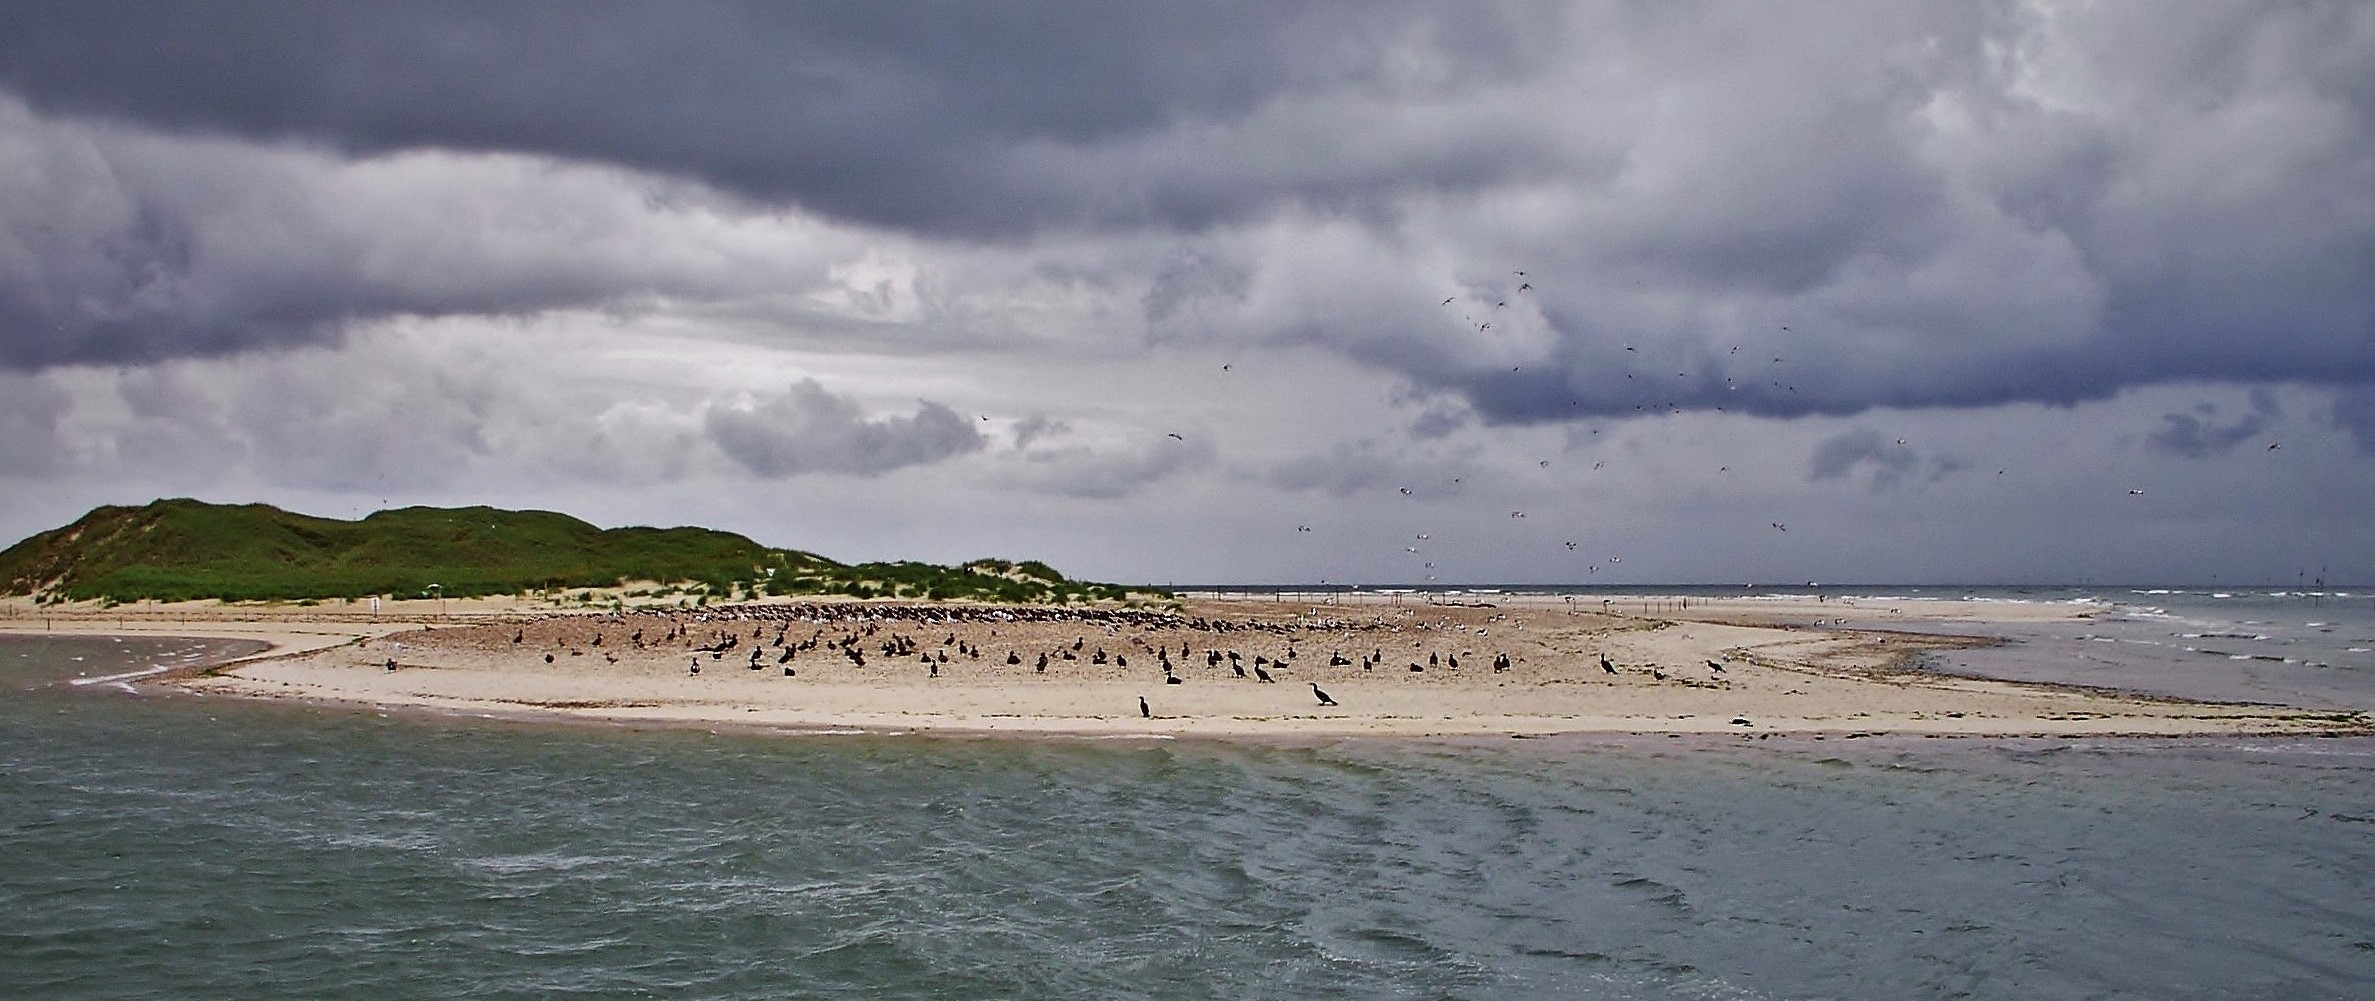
[{"x": 189, "y": 847}]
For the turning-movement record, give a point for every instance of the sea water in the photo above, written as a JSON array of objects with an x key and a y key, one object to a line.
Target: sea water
[{"x": 173, "y": 846}]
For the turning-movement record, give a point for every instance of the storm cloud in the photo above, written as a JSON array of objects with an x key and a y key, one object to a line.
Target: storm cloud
[
  {"x": 806, "y": 429},
  {"x": 1986, "y": 203},
  {"x": 1704, "y": 258}
]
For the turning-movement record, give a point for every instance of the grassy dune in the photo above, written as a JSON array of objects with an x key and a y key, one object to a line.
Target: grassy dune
[{"x": 174, "y": 550}]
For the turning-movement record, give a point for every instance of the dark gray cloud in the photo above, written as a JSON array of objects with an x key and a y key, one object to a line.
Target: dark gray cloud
[
  {"x": 124, "y": 247},
  {"x": 175, "y": 425},
  {"x": 1367, "y": 466},
  {"x": 2199, "y": 434},
  {"x": 1954, "y": 206},
  {"x": 1767, "y": 210},
  {"x": 937, "y": 117},
  {"x": 2354, "y": 411},
  {"x": 1036, "y": 427},
  {"x": 30, "y": 408},
  {"x": 1890, "y": 463},
  {"x": 1079, "y": 469},
  {"x": 806, "y": 429}
]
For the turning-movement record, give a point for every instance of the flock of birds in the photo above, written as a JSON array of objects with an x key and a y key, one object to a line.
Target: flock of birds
[{"x": 760, "y": 637}]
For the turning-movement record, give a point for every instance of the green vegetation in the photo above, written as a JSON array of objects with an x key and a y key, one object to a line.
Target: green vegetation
[{"x": 177, "y": 550}]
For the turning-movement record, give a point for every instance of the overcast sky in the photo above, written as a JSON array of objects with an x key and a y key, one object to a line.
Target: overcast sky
[{"x": 1202, "y": 292}]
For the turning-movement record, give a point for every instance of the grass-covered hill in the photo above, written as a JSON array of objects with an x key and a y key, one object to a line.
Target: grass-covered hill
[{"x": 175, "y": 550}]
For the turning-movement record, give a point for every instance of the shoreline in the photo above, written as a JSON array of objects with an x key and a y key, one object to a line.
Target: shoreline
[{"x": 975, "y": 670}]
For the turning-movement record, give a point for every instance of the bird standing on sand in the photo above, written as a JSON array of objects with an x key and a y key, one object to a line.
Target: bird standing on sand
[
  {"x": 1323, "y": 696},
  {"x": 1715, "y": 666},
  {"x": 1144, "y": 712},
  {"x": 1606, "y": 665}
]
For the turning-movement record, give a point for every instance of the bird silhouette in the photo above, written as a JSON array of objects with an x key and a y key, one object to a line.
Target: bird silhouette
[
  {"x": 1262, "y": 675},
  {"x": 1144, "y": 712},
  {"x": 1323, "y": 696}
]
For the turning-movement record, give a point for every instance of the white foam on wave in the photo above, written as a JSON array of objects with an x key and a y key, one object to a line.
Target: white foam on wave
[{"x": 126, "y": 676}]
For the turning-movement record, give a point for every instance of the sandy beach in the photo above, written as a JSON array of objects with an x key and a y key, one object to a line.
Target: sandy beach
[{"x": 1394, "y": 666}]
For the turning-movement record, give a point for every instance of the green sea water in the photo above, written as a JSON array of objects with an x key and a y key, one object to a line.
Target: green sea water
[{"x": 155, "y": 845}]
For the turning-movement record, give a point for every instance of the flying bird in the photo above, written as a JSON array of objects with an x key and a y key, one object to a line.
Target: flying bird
[
  {"x": 1174, "y": 435},
  {"x": 2135, "y": 493}
]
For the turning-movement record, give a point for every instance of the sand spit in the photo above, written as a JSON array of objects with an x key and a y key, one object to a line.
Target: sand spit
[{"x": 1517, "y": 666}]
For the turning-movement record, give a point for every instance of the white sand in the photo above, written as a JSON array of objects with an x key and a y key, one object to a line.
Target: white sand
[{"x": 1782, "y": 674}]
